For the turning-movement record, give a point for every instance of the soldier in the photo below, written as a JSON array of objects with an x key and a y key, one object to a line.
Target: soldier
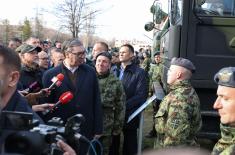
[
  {"x": 178, "y": 118},
  {"x": 113, "y": 102},
  {"x": 155, "y": 72},
  {"x": 225, "y": 104},
  {"x": 146, "y": 62}
]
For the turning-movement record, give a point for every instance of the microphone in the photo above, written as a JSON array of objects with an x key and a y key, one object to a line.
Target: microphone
[
  {"x": 56, "y": 81},
  {"x": 32, "y": 87},
  {"x": 64, "y": 99}
]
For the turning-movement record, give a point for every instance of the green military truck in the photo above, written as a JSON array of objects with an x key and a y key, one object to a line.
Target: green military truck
[{"x": 204, "y": 32}]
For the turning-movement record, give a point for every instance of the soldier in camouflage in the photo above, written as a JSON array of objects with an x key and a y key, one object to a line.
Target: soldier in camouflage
[
  {"x": 178, "y": 119},
  {"x": 146, "y": 63},
  {"x": 113, "y": 102},
  {"x": 155, "y": 74},
  {"x": 225, "y": 104}
]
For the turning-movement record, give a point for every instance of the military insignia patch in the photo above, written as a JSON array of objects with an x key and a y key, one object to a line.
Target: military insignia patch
[
  {"x": 175, "y": 123},
  {"x": 225, "y": 76}
]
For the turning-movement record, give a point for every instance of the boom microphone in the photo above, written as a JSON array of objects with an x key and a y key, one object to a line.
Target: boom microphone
[{"x": 56, "y": 80}]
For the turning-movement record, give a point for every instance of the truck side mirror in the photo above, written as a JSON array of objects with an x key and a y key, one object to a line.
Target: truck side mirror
[{"x": 149, "y": 26}]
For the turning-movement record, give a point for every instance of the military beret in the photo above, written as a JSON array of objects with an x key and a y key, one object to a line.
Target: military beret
[
  {"x": 156, "y": 53},
  {"x": 183, "y": 63},
  {"x": 106, "y": 54},
  {"x": 226, "y": 77},
  {"x": 29, "y": 48}
]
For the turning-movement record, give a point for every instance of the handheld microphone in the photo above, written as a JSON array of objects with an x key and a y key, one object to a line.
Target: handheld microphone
[
  {"x": 32, "y": 87},
  {"x": 56, "y": 80},
  {"x": 64, "y": 99}
]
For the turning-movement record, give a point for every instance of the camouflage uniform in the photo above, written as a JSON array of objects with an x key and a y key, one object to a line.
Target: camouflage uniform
[
  {"x": 113, "y": 103},
  {"x": 226, "y": 145},
  {"x": 155, "y": 73},
  {"x": 146, "y": 64},
  {"x": 178, "y": 118}
]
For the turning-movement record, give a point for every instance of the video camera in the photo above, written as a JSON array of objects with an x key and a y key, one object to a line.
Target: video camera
[{"x": 22, "y": 135}]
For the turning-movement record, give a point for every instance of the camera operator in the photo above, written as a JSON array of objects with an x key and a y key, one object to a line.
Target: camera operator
[{"x": 10, "y": 98}]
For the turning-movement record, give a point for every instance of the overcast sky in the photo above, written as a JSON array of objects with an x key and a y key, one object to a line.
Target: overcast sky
[{"x": 122, "y": 19}]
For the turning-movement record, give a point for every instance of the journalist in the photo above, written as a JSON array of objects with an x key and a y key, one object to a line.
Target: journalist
[{"x": 10, "y": 98}]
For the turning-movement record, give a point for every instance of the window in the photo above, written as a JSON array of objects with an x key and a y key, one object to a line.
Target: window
[
  {"x": 215, "y": 7},
  {"x": 175, "y": 8}
]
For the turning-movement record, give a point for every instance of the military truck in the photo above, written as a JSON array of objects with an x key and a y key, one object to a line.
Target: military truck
[{"x": 204, "y": 32}]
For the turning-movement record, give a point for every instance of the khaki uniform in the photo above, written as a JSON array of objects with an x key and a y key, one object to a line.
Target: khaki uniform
[
  {"x": 178, "y": 118},
  {"x": 226, "y": 144}
]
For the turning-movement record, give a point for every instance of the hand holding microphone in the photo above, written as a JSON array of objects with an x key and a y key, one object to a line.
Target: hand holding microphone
[
  {"x": 64, "y": 99},
  {"x": 56, "y": 81}
]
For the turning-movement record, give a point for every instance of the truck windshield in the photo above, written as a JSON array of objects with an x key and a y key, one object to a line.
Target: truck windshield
[{"x": 215, "y": 7}]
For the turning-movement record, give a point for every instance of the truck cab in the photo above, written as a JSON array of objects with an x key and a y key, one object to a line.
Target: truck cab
[{"x": 202, "y": 31}]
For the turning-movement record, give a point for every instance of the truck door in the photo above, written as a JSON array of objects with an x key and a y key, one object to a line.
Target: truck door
[{"x": 210, "y": 46}]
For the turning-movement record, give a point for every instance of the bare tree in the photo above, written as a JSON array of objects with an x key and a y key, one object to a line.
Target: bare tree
[
  {"x": 73, "y": 15},
  {"x": 38, "y": 25},
  {"x": 6, "y": 30}
]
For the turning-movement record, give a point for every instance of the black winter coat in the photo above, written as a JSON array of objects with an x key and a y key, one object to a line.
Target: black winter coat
[
  {"x": 86, "y": 100},
  {"x": 135, "y": 85}
]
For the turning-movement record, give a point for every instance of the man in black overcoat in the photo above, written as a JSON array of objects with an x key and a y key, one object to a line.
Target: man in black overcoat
[{"x": 81, "y": 80}]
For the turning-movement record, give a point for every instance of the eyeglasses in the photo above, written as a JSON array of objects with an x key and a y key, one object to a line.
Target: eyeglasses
[
  {"x": 44, "y": 58},
  {"x": 78, "y": 54}
]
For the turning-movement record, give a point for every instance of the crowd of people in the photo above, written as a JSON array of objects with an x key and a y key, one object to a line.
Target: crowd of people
[{"x": 107, "y": 89}]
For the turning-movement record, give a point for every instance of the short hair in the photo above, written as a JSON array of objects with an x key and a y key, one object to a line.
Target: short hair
[
  {"x": 130, "y": 47},
  {"x": 74, "y": 43},
  {"x": 32, "y": 37},
  {"x": 15, "y": 39},
  {"x": 10, "y": 58},
  {"x": 55, "y": 50},
  {"x": 104, "y": 45}
]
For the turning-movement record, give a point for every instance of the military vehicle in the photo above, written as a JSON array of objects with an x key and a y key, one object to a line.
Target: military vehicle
[{"x": 204, "y": 32}]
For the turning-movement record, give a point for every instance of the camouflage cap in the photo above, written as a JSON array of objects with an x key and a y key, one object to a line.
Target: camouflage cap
[
  {"x": 106, "y": 54},
  {"x": 226, "y": 77},
  {"x": 183, "y": 63},
  {"x": 18, "y": 49},
  {"x": 29, "y": 48}
]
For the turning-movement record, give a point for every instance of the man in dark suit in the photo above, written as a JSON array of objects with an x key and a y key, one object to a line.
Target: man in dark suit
[
  {"x": 81, "y": 80},
  {"x": 135, "y": 85}
]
